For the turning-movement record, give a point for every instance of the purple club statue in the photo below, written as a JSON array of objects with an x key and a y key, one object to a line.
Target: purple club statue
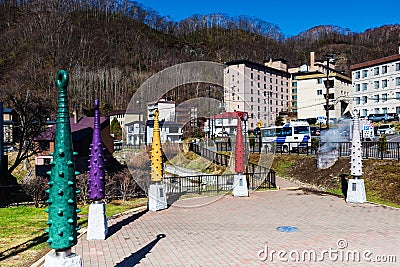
[{"x": 96, "y": 173}]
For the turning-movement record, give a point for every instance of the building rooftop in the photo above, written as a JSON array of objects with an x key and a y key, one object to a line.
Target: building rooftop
[
  {"x": 374, "y": 62},
  {"x": 79, "y": 130},
  {"x": 255, "y": 64}
]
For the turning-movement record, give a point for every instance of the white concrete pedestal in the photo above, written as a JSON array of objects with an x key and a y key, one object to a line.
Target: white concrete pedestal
[
  {"x": 157, "y": 197},
  {"x": 72, "y": 260},
  {"x": 240, "y": 186},
  {"x": 97, "y": 222},
  {"x": 356, "y": 191}
]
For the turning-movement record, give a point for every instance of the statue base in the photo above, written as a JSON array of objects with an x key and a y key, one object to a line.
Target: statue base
[
  {"x": 97, "y": 222},
  {"x": 240, "y": 186},
  {"x": 157, "y": 196},
  {"x": 356, "y": 191},
  {"x": 55, "y": 259}
]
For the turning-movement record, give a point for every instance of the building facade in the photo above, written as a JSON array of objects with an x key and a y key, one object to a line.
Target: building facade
[
  {"x": 308, "y": 88},
  {"x": 261, "y": 90},
  {"x": 376, "y": 85}
]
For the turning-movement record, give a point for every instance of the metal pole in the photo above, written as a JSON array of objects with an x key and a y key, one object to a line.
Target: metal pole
[{"x": 327, "y": 92}]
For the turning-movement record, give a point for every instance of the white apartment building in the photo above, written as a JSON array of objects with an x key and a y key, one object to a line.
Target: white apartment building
[
  {"x": 376, "y": 85},
  {"x": 261, "y": 90},
  {"x": 166, "y": 109},
  {"x": 309, "y": 91}
]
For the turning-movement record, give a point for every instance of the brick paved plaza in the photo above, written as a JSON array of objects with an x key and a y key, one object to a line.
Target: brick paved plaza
[{"x": 235, "y": 231}]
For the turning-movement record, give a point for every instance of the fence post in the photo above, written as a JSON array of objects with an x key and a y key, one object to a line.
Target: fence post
[
  {"x": 199, "y": 185},
  {"x": 398, "y": 156}
]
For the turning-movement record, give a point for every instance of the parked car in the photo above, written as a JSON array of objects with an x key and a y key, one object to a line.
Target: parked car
[
  {"x": 392, "y": 117},
  {"x": 315, "y": 131},
  {"x": 377, "y": 117},
  {"x": 386, "y": 129}
]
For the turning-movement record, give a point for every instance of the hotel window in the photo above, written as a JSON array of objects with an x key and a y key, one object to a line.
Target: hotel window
[
  {"x": 364, "y": 112},
  {"x": 384, "y": 83},
  {"x": 251, "y": 99},
  {"x": 258, "y": 77},
  {"x": 384, "y": 110},
  {"x": 364, "y": 73},
  {"x": 319, "y": 81},
  {"x": 398, "y": 110},
  {"x": 258, "y": 85},
  {"x": 384, "y": 97},
  {"x": 397, "y": 95},
  {"x": 357, "y": 100},
  {"x": 357, "y": 75},
  {"x": 397, "y": 81},
  {"x": 319, "y": 92},
  {"x": 265, "y": 86},
  {"x": 294, "y": 91},
  {"x": 376, "y": 71},
  {"x": 364, "y": 86},
  {"x": 376, "y": 110},
  {"x": 265, "y": 79},
  {"x": 364, "y": 100},
  {"x": 251, "y": 83},
  {"x": 376, "y": 98},
  {"x": 294, "y": 84},
  {"x": 357, "y": 87},
  {"x": 258, "y": 92},
  {"x": 376, "y": 84},
  {"x": 397, "y": 66},
  {"x": 384, "y": 69}
]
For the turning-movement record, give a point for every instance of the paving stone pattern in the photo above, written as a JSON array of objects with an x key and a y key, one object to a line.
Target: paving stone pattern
[{"x": 231, "y": 231}]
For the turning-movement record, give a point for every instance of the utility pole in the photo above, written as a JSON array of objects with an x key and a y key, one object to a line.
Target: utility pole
[{"x": 327, "y": 85}]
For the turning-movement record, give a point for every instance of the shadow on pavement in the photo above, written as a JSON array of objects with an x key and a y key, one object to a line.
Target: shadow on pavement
[
  {"x": 135, "y": 258},
  {"x": 116, "y": 227},
  {"x": 172, "y": 198}
]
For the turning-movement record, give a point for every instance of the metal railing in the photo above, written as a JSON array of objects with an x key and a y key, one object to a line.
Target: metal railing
[
  {"x": 216, "y": 183},
  {"x": 370, "y": 150},
  {"x": 259, "y": 173}
]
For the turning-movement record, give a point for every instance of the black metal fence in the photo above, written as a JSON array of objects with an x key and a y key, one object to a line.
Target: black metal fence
[
  {"x": 370, "y": 150},
  {"x": 216, "y": 183},
  {"x": 256, "y": 174}
]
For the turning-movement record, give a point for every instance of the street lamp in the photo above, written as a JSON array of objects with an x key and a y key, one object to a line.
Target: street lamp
[{"x": 329, "y": 56}]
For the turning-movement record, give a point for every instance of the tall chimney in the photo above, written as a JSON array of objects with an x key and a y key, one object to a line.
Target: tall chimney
[
  {"x": 312, "y": 61},
  {"x": 75, "y": 113}
]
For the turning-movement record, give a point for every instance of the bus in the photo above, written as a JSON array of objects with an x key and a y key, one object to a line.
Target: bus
[
  {"x": 268, "y": 137},
  {"x": 291, "y": 136}
]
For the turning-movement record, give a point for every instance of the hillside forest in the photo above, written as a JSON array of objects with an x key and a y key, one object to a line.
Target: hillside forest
[{"x": 111, "y": 47}]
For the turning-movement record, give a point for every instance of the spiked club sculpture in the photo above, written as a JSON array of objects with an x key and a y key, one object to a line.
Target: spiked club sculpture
[
  {"x": 62, "y": 208},
  {"x": 96, "y": 173},
  {"x": 356, "y": 188},
  {"x": 97, "y": 223},
  {"x": 157, "y": 194},
  {"x": 239, "y": 179}
]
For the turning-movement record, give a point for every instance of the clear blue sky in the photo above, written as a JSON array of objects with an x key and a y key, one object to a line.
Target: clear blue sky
[{"x": 292, "y": 17}]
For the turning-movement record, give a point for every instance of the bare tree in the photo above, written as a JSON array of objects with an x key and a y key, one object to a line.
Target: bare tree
[
  {"x": 33, "y": 111},
  {"x": 35, "y": 188}
]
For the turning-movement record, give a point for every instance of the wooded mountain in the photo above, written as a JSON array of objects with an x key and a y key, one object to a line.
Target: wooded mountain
[{"x": 111, "y": 47}]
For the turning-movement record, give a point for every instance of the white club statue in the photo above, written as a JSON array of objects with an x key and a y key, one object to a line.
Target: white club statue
[{"x": 356, "y": 189}]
